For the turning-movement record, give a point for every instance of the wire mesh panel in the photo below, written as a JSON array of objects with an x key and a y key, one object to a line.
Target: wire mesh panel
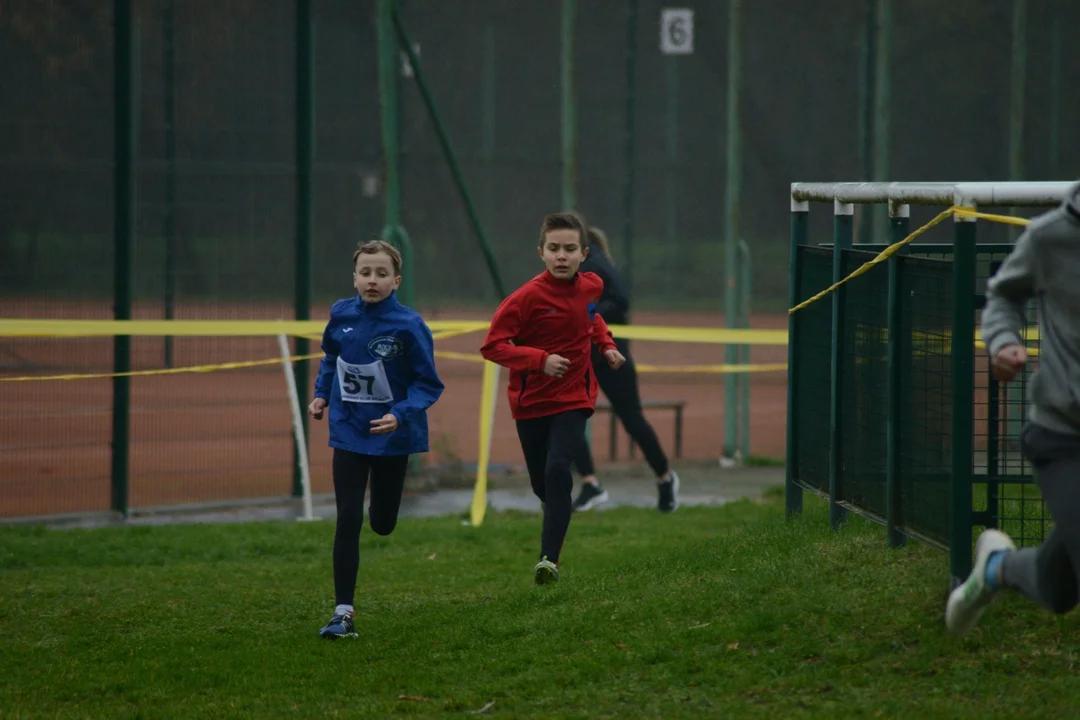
[
  {"x": 926, "y": 396},
  {"x": 813, "y": 328},
  {"x": 56, "y": 250},
  {"x": 864, "y": 388},
  {"x": 1006, "y": 492},
  {"x": 216, "y": 240}
]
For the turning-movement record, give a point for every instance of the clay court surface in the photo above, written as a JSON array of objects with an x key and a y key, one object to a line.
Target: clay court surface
[{"x": 225, "y": 435}]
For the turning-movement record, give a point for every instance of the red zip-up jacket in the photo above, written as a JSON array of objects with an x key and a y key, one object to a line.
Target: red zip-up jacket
[{"x": 548, "y": 316}]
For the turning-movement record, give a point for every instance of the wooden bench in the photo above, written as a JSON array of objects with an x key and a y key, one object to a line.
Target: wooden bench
[{"x": 676, "y": 406}]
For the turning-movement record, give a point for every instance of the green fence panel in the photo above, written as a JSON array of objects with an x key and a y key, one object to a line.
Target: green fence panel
[
  {"x": 864, "y": 386},
  {"x": 813, "y": 330}
]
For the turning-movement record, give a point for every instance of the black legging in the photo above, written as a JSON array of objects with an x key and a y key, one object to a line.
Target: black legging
[
  {"x": 550, "y": 444},
  {"x": 621, "y": 388},
  {"x": 351, "y": 472}
]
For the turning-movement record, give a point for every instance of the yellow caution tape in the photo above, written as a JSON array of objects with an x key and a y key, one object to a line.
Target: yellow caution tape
[
  {"x": 957, "y": 210},
  {"x": 313, "y": 329},
  {"x": 162, "y": 371},
  {"x": 26, "y": 327}
]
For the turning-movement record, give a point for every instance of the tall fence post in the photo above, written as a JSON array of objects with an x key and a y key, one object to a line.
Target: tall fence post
[
  {"x": 793, "y": 495},
  {"x": 124, "y": 206},
  {"x": 629, "y": 137},
  {"x": 899, "y": 227},
  {"x": 569, "y": 107},
  {"x": 963, "y": 390},
  {"x": 305, "y": 207},
  {"x": 842, "y": 236},
  {"x": 745, "y": 291},
  {"x": 732, "y": 183},
  {"x": 168, "y": 223},
  {"x": 393, "y": 232}
]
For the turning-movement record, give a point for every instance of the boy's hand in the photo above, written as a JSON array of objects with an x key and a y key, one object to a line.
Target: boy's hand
[
  {"x": 556, "y": 365},
  {"x": 1009, "y": 361},
  {"x": 315, "y": 409},
  {"x": 614, "y": 358},
  {"x": 386, "y": 424}
]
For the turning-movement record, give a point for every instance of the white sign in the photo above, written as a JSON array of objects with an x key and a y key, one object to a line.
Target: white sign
[
  {"x": 363, "y": 383},
  {"x": 676, "y": 31}
]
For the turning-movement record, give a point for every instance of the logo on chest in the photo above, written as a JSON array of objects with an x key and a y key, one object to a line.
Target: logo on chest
[
  {"x": 591, "y": 307},
  {"x": 386, "y": 347}
]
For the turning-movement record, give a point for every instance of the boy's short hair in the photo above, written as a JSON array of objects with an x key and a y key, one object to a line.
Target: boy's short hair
[
  {"x": 569, "y": 220},
  {"x": 374, "y": 247}
]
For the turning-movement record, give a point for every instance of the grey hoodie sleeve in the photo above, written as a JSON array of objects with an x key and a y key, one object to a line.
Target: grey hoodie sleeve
[{"x": 1007, "y": 295}]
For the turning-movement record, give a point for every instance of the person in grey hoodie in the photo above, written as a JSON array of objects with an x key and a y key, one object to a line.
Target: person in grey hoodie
[{"x": 1044, "y": 264}]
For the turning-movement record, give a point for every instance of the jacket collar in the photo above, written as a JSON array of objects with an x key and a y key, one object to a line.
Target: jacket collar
[
  {"x": 549, "y": 279},
  {"x": 379, "y": 308}
]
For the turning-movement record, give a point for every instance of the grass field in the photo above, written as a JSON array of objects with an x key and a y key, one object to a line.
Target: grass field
[{"x": 712, "y": 612}]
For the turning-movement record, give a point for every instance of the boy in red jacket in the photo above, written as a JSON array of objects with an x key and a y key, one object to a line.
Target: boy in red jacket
[{"x": 543, "y": 333}]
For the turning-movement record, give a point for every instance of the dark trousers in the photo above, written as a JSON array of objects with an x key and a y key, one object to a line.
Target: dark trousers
[
  {"x": 1048, "y": 574},
  {"x": 351, "y": 474},
  {"x": 550, "y": 445},
  {"x": 621, "y": 388}
]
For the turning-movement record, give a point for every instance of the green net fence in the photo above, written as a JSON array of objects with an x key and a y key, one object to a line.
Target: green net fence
[
  {"x": 864, "y": 373},
  {"x": 1003, "y": 493}
]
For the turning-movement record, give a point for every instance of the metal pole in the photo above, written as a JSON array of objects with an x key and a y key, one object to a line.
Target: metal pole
[
  {"x": 963, "y": 399},
  {"x": 630, "y": 172},
  {"x": 882, "y": 100},
  {"x": 124, "y": 207},
  {"x": 488, "y": 122},
  {"x": 168, "y": 230},
  {"x": 305, "y": 213},
  {"x": 671, "y": 173},
  {"x": 731, "y": 221},
  {"x": 1018, "y": 73},
  {"x": 1054, "y": 145},
  {"x": 745, "y": 280},
  {"x": 866, "y": 114},
  {"x": 793, "y": 495},
  {"x": 842, "y": 233},
  {"x": 1017, "y": 93},
  {"x": 569, "y": 109},
  {"x": 899, "y": 224},
  {"x": 448, "y": 153},
  {"x": 391, "y": 142}
]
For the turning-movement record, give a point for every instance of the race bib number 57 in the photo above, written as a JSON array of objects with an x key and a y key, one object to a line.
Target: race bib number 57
[{"x": 363, "y": 383}]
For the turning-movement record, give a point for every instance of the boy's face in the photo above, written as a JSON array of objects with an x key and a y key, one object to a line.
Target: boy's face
[
  {"x": 374, "y": 277},
  {"x": 562, "y": 252}
]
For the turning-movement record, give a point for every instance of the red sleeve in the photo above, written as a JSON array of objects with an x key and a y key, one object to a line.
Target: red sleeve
[
  {"x": 498, "y": 346},
  {"x": 601, "y": 334}
]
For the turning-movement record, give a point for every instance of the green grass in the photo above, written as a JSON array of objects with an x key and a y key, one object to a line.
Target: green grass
[{"x": 718, "y": 612}]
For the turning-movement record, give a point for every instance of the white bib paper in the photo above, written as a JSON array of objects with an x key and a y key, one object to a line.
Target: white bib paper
[{"x": 363, "y": 383}]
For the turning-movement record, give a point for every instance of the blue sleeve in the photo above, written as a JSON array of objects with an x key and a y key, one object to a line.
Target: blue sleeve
[
  {"x": 324, "y": 382},
  {"x": 425, "y": 386}
]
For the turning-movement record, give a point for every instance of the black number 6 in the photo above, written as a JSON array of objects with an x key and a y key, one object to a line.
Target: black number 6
[{"x": 676, "y": 31}]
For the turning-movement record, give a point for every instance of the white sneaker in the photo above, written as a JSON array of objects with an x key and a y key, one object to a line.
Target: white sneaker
[{"x": 967, "y": 601}]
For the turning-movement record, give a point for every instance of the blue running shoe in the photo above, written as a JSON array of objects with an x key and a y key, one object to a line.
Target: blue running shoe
[{"x": 340, "y": 626}]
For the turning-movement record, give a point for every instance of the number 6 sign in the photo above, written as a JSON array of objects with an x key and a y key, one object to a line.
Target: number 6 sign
[{"x": 676, "y": 31}]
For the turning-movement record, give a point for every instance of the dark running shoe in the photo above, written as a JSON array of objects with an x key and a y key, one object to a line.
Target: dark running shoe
[
  {"x": 340, "y": 626},
  {"x": 546, "y": 572},
  {"x": 591, "y": 495},
  {"x": 669, "y": 494}
]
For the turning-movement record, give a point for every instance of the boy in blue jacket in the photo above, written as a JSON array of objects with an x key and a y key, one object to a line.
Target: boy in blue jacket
[{"x": 378, "y": 379}]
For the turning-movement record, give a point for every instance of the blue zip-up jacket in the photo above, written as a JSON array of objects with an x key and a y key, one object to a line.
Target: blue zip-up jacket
[{"x": 387, "y": 357}]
